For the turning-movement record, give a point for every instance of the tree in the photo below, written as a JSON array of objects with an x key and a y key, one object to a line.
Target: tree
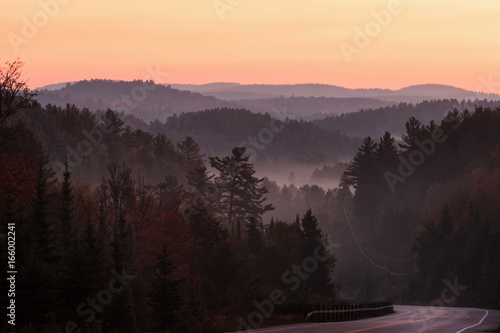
[
  {"x": 198, "y": 177},
  {"x": 314, "y": 247},
  {"x": 121, "y": 313},
  {"x": 414, "y": 130},
  {"x": 42, "y": 225},
  {"x": 38, "y": 285},
  {"x": 170, "y": 194},
  {"x": 66, "y": 209},
  {"x": 14, "y": 92},
  {"x": 164, "y": 296},
  {"x": 120, "y": 189},
  {"x": 241, "y": 193},
  {"x": 113, "y": 122},
  {"x": 191, "y": 152},
  {"x": 83, "y": 272},
  {"x": 254, "y": 237},
  {"x": 387, "y": 153},
  {"x": 361, "y": 167}
]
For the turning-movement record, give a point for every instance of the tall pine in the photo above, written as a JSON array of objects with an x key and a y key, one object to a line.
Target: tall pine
[{"x": 164, "y": 297}]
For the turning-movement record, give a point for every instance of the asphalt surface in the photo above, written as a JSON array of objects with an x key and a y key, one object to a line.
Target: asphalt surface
[{"x": 407, "y": 319}]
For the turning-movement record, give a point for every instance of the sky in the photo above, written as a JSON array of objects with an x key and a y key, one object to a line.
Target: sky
[{"x": 354, "y": 44}]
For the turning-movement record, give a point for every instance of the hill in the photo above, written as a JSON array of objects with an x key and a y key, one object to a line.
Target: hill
[
  {"x": 145, "y": 100},
  {"x": 411, "y": 94},
  {"x": 269, "y": 138},
  {"x": 150, "y": 101},
  {"x": 374, "y": 122},
  {"x": 309, "y": 108}
]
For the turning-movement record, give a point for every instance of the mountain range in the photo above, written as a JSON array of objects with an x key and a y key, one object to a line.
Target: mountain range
[
  {"x": 414, "y": 93},
  {"x": 150, "y": 101}
]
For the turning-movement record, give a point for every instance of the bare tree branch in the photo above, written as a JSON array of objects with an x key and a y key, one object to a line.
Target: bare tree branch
[{"x": 14, "y": 92}]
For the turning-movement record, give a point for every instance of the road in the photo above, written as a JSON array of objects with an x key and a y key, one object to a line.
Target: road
[{"x": 407, "y": 319}]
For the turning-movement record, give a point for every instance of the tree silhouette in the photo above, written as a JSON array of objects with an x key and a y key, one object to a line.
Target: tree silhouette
[
  {"x": 164, "y": 296},
  {"x": 241, "y": 193}
]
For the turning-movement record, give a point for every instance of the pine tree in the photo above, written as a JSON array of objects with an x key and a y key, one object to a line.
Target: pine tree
[
  {"x": 121, "y": 313},
  {"x": 42, "y": 226},
  {"x": 38, "y": 283},
  {"x": 387, "y": 153},
  {"x": 198, "y": 178},
  {"x": 241, "y": 193},
  {"x": 414, "y": 132},
  {"x": 164, "y": 296},
  {"x": 314, "y": 247},
  {"x": 191, "y": 152},
  {"x": 66, "y": 210},
  {"x": 254, "y": 237},
  {"x": 361, "y": 168}
]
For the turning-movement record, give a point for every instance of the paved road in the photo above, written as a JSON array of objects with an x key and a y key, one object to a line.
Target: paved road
[{"x": 407, "y": 319}]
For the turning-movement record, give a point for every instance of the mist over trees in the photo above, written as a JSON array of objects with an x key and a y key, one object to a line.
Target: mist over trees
[
  {"x": 128, "y": 227},
  {"x": 375, "y": 121}
]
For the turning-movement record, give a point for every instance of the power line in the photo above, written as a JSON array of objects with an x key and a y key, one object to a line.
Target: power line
[{"x": 364, "y": 253}]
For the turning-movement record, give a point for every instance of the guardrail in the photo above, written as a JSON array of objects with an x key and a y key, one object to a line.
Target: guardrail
[{"x": 323, "y": 313}]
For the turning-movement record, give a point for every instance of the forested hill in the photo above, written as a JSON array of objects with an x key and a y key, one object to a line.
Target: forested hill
[
  {"x": 219, "y": 130},
  {"x": 150, "y": 101},
  {"x": 143, "y": 99},
  {"x": 374, "y": 122},
  {"x": 309, "y": 108},
  {"x": 436, "y": 196},
  {"x": 72, "y": 133}
]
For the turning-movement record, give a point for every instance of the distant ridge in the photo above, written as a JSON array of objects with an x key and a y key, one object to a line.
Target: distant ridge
[
  {"x": 414, "y": 93},
  {"x": 301, "y": 101}
]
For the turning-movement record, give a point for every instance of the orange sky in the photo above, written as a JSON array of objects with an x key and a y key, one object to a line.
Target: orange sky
[{"x": 256, "y": 41}]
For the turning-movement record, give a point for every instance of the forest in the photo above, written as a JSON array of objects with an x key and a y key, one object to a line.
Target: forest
[{"x": 126, "y": 228}]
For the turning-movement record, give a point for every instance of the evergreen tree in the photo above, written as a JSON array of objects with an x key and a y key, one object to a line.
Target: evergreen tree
[
  {"x": 38, "y": 281},
  {"x": 198, "y": 178},
  {"x": 42, "y": 225},
  {"x": 121, "y": 314},
  {"x": 170, "y": 193},
  {"x": 164, "y": 296},
  {"x": 191, "y": 152},
  {"x": 360, "y": 169},
  {"x": 414, "y": 132},
  {"x": 314, "y": 246},
  {"x": 66, "y": 210},
  {"x": 241, "y": 193},
  {"x": 254, "y": 237},
  {"x": 387, "y": 154}
]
